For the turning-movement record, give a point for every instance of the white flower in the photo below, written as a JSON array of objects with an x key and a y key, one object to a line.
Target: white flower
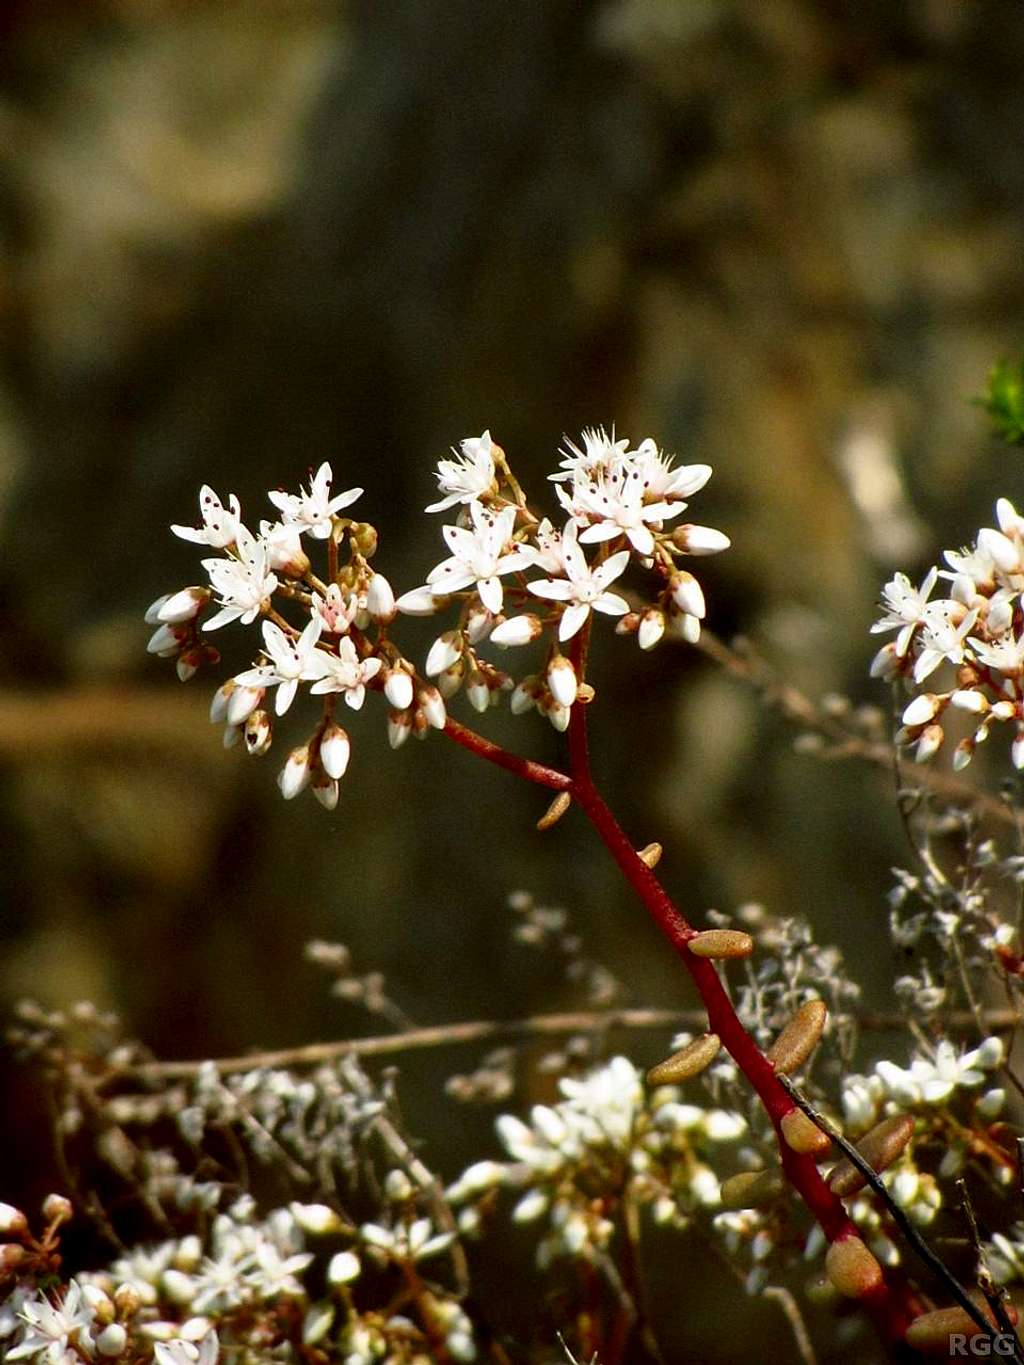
[
  {"x": 284, "y": 548},
  {"x": 335, "y": 610},
  {"x": 931, "y": 1082},
  {"x": 182, "y": 1352},
  {"x": 1005, "y": 655},
  {"x": 583, "y": 588},
  {"x": 313, "y": 511},
  {"x": 52, "y": 1329},
  {"x": 661, "y": 480},
  {"x": 342, "y": 672},
  {"x": 613, "y": 503},
  {"x": 905, "y": 608},
  {"x": 943, "y": 636},
  {"x": 291, "y": 660},
  {"x": 479, "y": 556},
  {"x": 469, "y": 476},
  {"x": 220, "y": 523},
  {"x": 415, "y": 1242},
  {"x": 610, "y": 1097},
  {"x": 242, "y": 585},
  {"x": 601, "y": 454}
]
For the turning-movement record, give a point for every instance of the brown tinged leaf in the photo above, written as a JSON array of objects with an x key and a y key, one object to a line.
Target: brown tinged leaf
[
  {"x": 721, "y": 943},
  {"x": 650, "y": 855},
  {"x": 799, "y": 1038},
  {"x": 932, "y": 1331},
  {"x": 688, "y": 1061},
  {"x": 555, "y": 811},
  {"x": 880, "y": 1147},
  {"x": 851, "y": 1268},
  {"x": 751, "y": 1189},
  {"x": 803, "y": 1135}
]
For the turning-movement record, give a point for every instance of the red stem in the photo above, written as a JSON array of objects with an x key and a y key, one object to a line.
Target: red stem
[{"x": 892, "y": 1312}]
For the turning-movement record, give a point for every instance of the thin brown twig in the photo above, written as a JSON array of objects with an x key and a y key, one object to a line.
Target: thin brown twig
[
  {"x": 748, "y": 667},
  {"x": 486, "y": 1030}
]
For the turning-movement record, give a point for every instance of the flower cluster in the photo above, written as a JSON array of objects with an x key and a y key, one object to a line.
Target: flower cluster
[
  {"x": 976, "y": 632},
  {"x": 512, "y": 576},
  {"x": 603, "y": 1147}
]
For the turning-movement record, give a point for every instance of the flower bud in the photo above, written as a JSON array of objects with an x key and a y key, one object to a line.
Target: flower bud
[
  {"x": 242, "y": 702},
  {"x": 294, "y": 776},
  {"x": 517, "y": 630},
  {"x": 449, "y": 682},
  {"x": 419, "y": 602},
  {"x": 325, "y": 789},
  {"x": 921, "y": 710},
  {"x": 650, "y": 854},
  {"x": 127, "y": 1300},
  {"x": 700, "y": 540},
  {"x": 561, "y": 680},
  {"x": 380, "y": 599},
  {"x": 687, "y": 594},
  {"x": 13, "y": 1222},
  {"x": 628, "y": 624},
  {"x": 478, "y": 623},
  {"x": 929, "y": 744},
  {"x": 152, "y": 616},
  {"x": 57, "y": 1208},
  {"x": 398, "y": 689},
  {"x": 399, "y": 728},
  {"x": 11, "y": 1256},
  {"x": 183, "y": 606},
  {"x": 166, "y": 641},
  {"x": 364, "y": 537},
  {"x": 258, "y": 733},
  {"x": 687, "y": 627},
  {"x": 112, "y": 1340},
  {"x": 651, "y": 628},
  {"x": 432, "y": 705},
  {"x": 343, "y": 1268},
  {"x": 335, "y": 751},
  {"x": 525, "y": 695},
  {"x": 316, "y": 1219},
  {"x": 477, "y": 691},
  {"x": 443, "y": 652}
]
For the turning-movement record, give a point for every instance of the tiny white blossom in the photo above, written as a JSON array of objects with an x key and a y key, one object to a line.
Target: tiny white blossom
[
  {"x": 220, "y": 523},
  {"x": 469, "y": 476},
  {"x": 242, "y": 585},
  {"x": 931, "y": 1082},
  {"x": 584, "y": 588},
  {"x": 479, "y": 556},
  {"x": 53, "y": 1329},
  {"x": 290, "y": 660},
  {"x": 343, "y": 672},
  {"x": 312, "y": 511},
  {"x": 905, "y": 608}
]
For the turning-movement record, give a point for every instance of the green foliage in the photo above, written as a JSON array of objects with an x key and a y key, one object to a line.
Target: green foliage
[{"x": 1004, "y": 400}]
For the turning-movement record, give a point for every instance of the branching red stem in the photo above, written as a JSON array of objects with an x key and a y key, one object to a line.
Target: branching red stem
[{"x": 891, "y": 1309}]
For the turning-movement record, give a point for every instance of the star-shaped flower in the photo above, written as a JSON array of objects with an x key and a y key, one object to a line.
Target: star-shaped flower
[
  {"x": 220, "y": 523},
  {"x": 242, "y": 584},
  {"x": 584, "y": 588},
  {"x": 479, "y": 556},
  {"x": 469, "y": 476},
  {"x": 342, "y": 672},
  {"x": 312, "y": 511},
  {"x": 290, "y": 659}
]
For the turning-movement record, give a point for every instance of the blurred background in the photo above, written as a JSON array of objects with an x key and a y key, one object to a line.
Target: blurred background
[{"x": 237, "y": 239}]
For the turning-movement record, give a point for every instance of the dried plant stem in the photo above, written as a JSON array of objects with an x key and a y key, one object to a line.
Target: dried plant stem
[{"x": 795, "y": 706}]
